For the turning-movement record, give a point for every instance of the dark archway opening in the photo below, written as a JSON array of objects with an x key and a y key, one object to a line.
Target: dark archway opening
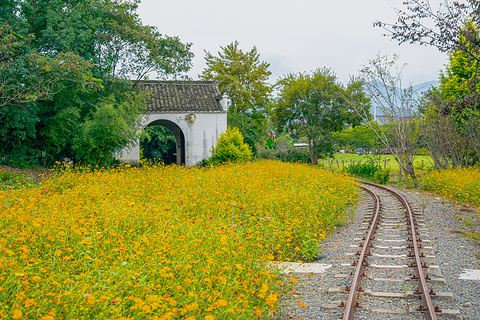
[{"x": 163, "y": 140}]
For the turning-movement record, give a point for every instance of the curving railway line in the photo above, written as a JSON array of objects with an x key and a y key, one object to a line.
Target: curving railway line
[
  {"x": 414, "y": 244},
  {"x": 391, "y": 272}
]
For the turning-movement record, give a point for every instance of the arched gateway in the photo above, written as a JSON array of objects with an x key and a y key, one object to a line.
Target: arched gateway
[{"x": 194, "y": 111}]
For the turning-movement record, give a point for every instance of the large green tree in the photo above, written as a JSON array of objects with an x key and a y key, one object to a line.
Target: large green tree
[
  {"x": 61, "y": 60},
  {"x": 242, "y": 74},
  {"x": 245, "y": 77},
  {"x": 314, "y": 106}
]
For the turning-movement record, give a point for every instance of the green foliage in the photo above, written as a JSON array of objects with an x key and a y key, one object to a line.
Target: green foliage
[
  {"x": 231, "y": 148},
  {"x": 452, "y": 111},
  {"x": 244, "y": 77},
  {"x": 251, "y": 126},
  {"x": 286, "y": 155},
  {"x": 382, "y": 176},
  {"x": 27, "y": 77},
  {"x": 309, "y": 248},
  {"x": 314, "y": 106},
  {"x": 242, "y": 74},
  {"x": 22, "y": 157},
  {"x": 366, "y": 169},
  {"x": 358, "y": 137},
  {"x": 60, "y": 60},
  {"x": 158, "y": 143},
  {"x": 461, "y": 75},
  {"x": 110, "y": 128},
  {"x": 370, "y": 170},
  {"x": 272, "y": 144}
]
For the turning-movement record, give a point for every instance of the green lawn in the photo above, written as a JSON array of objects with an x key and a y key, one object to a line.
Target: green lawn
[
  {"x": 419, "y": 162},
  {"x": 341, "y": 160}
]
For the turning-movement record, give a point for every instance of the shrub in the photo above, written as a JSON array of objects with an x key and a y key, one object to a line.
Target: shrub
[
  {"x": 107, "y": 131},
  {"x": 382, "y": 176},
  {"x": 22, "y": 157},
  {"x": 366, "y": 170},
  {"x": 231, "y": 148}
]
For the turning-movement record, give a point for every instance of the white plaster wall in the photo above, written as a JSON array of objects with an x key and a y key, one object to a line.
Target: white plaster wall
[{"x": 200, "y": 136}]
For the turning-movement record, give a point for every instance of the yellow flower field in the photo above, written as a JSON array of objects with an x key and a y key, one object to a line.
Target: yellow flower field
[
  {"x": 461, "y": 184},
  {"x": 162, "y": 242}
]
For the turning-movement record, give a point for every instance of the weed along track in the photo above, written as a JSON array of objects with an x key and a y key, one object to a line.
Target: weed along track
[{"x": 393, "y": 271}]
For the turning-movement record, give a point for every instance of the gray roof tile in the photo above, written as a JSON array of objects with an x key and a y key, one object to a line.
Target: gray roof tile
[{"x": 181, "y": 96}]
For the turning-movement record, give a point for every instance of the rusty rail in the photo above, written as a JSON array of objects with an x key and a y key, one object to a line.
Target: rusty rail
[
  {"x": 351, "y": 303},
  {"x": 427, "y": 305}
]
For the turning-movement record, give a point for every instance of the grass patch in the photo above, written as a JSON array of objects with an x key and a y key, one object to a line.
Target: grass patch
[
  {"x": 473, "y": 236},
  {"x": 385, "y": 161},
  {"x": 14, "y": 180},
  {"x": 163, "y": 242}
]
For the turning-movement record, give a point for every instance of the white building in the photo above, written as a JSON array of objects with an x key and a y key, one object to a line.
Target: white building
[{"x": 194, "y": 111}]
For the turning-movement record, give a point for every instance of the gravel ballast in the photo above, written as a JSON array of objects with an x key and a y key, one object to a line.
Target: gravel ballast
[{"x": 454, "y": 254}]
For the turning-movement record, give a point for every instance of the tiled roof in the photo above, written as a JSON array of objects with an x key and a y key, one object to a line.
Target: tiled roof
[{"x": 181, "y": 96}]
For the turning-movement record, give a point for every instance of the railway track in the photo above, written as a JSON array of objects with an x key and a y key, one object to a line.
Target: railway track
[{"x": 393, "y": 272}]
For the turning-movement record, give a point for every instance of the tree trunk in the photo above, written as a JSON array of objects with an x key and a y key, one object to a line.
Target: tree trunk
[
  {"x": 313, "y": 153},
  {"x": 411, "y": 172}
]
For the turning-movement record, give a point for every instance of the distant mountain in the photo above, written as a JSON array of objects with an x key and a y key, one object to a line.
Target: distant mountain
[
  {"x": 422, "y": 87},
  {"x": 418, "y": 89}
]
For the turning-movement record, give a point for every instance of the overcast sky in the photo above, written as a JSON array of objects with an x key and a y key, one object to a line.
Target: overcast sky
[{"x": 293, "y": 35}]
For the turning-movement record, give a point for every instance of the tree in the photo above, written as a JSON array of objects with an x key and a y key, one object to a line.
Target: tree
[
  {"x": 458, "y": 84},
  {"x": 242, "y": 74},
  {"x": 399, "y": 107},
  {"x": 451, "y": 142},
  {"x": 27, "y": 77},
  {"x": 244, "y": 77},
  {"x": 420, "y": 23},
  {"x": 157, "y": 143},
  {"x": 452, "y": 115},
  {"x": 453, "y": 28},
  {"x": 60, "y": 60},
  {"x": 250, "y": 124},
  {"x": 314, "y": 106},
  {"x": 106, "y": 131},
  {"x": 358, "y": 137}
]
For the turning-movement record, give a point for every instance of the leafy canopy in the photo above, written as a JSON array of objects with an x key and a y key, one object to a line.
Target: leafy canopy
[
  {"x": 358, "y": 137},
  {"x": 460, "y": 79},
  {"x": 158, "y": 143},
  {"x": 62, "y": 60},
  {"x": 242, "y": 74},
  {"x": 314, "y": 106}
]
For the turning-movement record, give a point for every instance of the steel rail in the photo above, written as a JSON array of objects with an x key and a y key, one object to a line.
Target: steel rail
[
  {"x": 427, "y": 305},
  {"x": 351, "y": 303}
]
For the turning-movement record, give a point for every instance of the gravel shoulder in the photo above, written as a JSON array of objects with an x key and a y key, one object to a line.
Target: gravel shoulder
[{"x": 454, "y": 252}]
